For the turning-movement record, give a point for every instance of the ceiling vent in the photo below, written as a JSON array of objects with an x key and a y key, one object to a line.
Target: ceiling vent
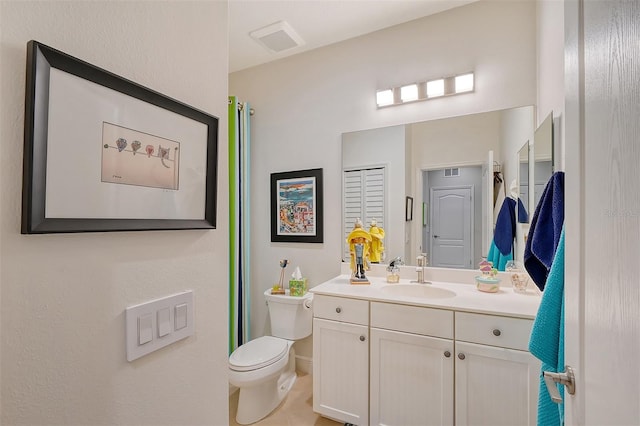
[{"x": 277, "y": 37}]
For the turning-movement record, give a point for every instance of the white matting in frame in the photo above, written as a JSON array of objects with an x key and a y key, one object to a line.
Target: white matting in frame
[{"x": 75, "y": 188}]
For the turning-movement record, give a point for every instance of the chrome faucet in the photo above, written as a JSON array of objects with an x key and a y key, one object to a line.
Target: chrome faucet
[{"x": 422, "y": 263}]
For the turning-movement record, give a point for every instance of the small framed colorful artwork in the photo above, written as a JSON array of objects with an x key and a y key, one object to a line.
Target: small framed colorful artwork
[{"x": 296, "y": 206}]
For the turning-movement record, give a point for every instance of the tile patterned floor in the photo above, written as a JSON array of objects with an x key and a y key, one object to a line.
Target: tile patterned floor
[{"x": 295, "y": 410}]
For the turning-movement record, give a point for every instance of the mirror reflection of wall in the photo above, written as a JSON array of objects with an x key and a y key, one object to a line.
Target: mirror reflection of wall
[
  {"x": 543, "y": 156},
  {"x": 373, "y": 168},
  {"x": 524, "y": 201},
  {"x": 523, "y": 211},
  {"x": 408, "y": 152}
]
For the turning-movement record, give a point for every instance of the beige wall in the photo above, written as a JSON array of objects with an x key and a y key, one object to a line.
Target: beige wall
[
  {"x": 64, "y": 296},
  {"x": 550, "y": 70},
  {"x": 304, "y": 103}
]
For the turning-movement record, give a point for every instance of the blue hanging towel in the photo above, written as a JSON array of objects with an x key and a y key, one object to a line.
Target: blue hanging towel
[
  {"x": 544, "y": 233},
  {"x": 523, "y": 216},
  {"x": 505, "y": 231},
  {"x": 547, "y": 338}
]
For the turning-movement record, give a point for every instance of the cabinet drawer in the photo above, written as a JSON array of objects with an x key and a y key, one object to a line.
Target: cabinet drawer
[
  {"x": 341, "y": 309},
  {"x": 493, "y": 330},
  {"x": 412, "y": 319}
]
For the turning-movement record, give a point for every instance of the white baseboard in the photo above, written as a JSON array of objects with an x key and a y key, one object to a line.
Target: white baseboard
[{"x": 304, "y": 364}]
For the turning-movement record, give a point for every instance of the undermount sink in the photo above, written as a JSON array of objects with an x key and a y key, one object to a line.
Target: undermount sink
[{"x": 418, "y": 290}]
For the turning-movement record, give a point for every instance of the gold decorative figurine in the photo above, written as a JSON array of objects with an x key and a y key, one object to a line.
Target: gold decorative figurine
[
  {"x": 377, "y": 247},
  {"x": 359, "y": 241}
]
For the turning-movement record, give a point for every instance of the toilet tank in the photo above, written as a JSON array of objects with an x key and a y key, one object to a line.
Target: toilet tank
[{"x": 291, "y": 316}]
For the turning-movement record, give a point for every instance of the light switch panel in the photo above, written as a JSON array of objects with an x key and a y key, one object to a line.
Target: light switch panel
[
  {"x": 145, "y": 329},
  {"x": 181, "y": 316},
  {"x": 164, "y": 322},
  {"x": 155, "y": 324}
]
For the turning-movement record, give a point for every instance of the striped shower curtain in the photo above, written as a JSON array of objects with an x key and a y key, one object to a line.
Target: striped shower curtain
[{"x": 239, "y": 265}]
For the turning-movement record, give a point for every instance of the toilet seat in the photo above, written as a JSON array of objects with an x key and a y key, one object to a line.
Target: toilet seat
[{"x": 258, "y": 353}]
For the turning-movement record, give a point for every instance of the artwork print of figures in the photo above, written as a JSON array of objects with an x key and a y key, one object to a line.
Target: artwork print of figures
[
  {"x": 123, "y": 161},
  {"x": 296, "y": 206}
]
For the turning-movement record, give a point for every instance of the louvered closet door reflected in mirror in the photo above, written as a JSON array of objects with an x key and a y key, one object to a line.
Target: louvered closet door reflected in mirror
[{"x": 364, "y": 197}]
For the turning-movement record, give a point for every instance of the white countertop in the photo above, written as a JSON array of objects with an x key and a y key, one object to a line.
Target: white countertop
[{"x": 467, "y": 298}]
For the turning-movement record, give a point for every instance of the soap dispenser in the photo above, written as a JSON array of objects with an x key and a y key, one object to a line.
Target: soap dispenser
[{"x": 393, "y": 270}]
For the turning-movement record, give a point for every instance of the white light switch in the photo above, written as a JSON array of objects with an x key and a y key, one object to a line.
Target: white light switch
[
  {"x": 145, "y": 329},
  {"x": 157, "y": 323},
  {"x": 164, "y": 322},
  {"x": 181, "y": 316}
]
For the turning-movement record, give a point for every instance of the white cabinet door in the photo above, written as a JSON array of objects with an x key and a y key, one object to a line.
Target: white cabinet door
[
  {"x": 411, "y": 379},
  {"x": 495, "y": 386},
  {"x": 341, "y": 371}
]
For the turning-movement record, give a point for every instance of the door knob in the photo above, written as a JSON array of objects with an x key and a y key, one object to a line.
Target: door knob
[
  {"x": 436, "y": 236},
  {"x": 362, "y": 338},
  {"x": 567, "y": 378}
]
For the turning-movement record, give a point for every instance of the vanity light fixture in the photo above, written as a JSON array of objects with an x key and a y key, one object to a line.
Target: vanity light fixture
[
  {"x": 464, "y": 83},
  {"x": 435, "y": 88},
  {"x": 409, "y": 93},
  {"x": 384, "y": 97},
  {"x": 425, "y": 90}
]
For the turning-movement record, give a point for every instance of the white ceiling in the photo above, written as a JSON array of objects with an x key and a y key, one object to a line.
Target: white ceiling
[{"x": 318, "y": 22}]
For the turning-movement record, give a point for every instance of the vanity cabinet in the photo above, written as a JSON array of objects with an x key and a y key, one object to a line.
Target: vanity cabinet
[
  {"x": 497, "y": 379},
  {"x": 388, "y": 363},
  {"x": 341, "y": 359},
  {"x": 411, "y": 378}
]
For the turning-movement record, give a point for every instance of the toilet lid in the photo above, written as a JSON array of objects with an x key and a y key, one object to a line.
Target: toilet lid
[{"x": 258, "y": 353}]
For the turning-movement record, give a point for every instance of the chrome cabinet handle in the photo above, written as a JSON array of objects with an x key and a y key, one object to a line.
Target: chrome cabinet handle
[
  {"x": 362, "y": 338},
  {"x": 496, "y": 332},
  {"x": 338, "y": 309},
  {"x": 447, "y": 354},
  {"x": 461, "y": 355}
]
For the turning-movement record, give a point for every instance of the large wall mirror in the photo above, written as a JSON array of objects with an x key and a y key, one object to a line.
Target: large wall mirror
[{"x": 447, "y": 168}]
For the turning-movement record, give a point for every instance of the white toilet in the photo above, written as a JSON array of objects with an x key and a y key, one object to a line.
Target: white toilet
[{"x": 265, "y": 368}]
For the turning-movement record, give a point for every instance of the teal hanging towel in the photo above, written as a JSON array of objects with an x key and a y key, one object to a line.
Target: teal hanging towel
[{"x": 547, "y": 337}]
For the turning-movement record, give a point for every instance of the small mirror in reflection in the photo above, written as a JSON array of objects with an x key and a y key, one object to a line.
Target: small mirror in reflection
[
  {"x": 543, "y": 156},
  {"x": 522, "y": 195}
]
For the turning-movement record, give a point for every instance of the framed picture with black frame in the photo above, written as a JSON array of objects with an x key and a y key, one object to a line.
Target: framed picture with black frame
[
  {"x": 102, "y": 153},
  {"x": 296, "y": 206},
  {"x": 408, "y": 209}
]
